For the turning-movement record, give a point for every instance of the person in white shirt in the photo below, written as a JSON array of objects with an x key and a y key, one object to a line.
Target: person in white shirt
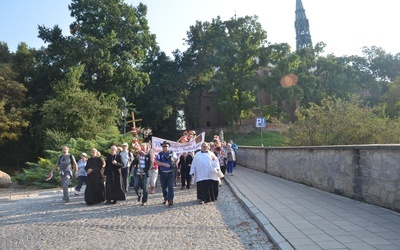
[
  {"x": 127, "y": 158},
  {"x": 204, "y": 168}
]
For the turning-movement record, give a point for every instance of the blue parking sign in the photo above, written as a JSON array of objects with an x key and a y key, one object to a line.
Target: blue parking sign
[{"x": 261, "y": 122}]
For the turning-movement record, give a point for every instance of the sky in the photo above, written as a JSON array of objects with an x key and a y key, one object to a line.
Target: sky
[{"x": 344, "y": 25}]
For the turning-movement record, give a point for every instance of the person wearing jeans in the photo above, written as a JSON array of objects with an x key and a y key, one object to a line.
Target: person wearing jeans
[
  {"x": 230, "y": 156},
  {"x": 166, "y": 161},
  {"x": 141, "y": 172},
  {"x": 81, "y": 173}
]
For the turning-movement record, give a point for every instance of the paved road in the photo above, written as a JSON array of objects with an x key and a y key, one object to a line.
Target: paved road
[{"x": 42, "y": 221}]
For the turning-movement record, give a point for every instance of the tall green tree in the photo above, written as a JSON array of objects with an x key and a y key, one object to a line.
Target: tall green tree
[
  {"x": 14, "y": 116},
  {"x": 336, "y": 78},
  {"x": 110, "y": 38},
  {"x": 226, "y": 53},
  {"x": 376, "y": 69},
  {"x": 114, "y": 39},
  {"x": 160, "y": 101},
  {"x": 78, "y": 112}
]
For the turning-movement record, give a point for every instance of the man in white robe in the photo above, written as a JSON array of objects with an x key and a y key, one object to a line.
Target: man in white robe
[{"x": 204, "y": 168}]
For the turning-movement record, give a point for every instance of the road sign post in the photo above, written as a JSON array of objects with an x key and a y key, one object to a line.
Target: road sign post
[{"x": 261, "y": 122}]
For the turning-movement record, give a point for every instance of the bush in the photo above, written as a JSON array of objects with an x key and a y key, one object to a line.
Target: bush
[
  {"x": 37, "y": 173},
  {"x": 339, "y": 122}
]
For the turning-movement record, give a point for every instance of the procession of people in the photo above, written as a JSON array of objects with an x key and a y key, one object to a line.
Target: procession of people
[{"x": 108, "y": 178}]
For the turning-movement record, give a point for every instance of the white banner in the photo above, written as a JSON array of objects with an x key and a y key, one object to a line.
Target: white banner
[{"x": 177, "y": 147}]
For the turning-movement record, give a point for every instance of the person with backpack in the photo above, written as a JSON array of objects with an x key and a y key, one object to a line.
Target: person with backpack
[
  {"x": 66, "y": 162},
  {"x": 166, "y": 161}
]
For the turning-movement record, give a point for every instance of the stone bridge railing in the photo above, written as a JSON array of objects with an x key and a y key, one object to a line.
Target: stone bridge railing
[{"x": 369, "y": 173}]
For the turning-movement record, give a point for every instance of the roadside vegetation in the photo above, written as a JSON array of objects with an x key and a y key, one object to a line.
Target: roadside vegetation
[{"x": 73, "y": 91}]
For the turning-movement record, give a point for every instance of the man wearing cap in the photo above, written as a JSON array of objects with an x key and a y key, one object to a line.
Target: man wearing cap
[
  {"x": 127, "y": 158},
  {"x": 166, "y": 161}
]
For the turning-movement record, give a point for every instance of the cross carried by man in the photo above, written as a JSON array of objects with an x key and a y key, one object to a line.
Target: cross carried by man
[{"x": 133, "y": 121}]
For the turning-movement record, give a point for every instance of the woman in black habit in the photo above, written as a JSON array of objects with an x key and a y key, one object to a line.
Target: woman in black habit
[
  {"x": 114, "y": 184},
  {"x": 94, "y": 192}
]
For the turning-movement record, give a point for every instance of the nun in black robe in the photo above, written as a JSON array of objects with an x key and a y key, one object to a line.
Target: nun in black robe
[
  {"x": 114, "y": 183},
  {"x": 94, "y": 192}
]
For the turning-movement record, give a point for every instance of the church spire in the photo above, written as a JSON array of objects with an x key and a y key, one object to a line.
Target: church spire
[{"x": 303, "y": 37}]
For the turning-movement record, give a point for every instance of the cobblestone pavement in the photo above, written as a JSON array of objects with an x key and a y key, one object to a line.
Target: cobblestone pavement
[{"x": 42, "y": 221}]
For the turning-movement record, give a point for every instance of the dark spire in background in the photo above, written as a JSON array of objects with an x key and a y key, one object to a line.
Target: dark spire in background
[{"x": 303, "y": 37}]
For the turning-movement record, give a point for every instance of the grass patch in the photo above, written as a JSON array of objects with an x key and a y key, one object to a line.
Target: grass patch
[{"x": 253, "y": 138}]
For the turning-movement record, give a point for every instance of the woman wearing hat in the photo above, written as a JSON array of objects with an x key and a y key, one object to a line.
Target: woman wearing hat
[{"x": 81, "y": 174}]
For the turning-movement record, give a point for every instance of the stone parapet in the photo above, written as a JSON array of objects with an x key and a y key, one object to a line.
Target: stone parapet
[{"x": 369, "y": 173}]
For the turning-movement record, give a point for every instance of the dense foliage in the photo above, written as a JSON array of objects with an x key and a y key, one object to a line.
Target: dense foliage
[
  {"x": 73, "y": 87},
  {"x": 340, "y": 122}
]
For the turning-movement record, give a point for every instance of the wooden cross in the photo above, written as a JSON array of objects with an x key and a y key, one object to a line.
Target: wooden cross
[{"x": 134, "y": 120}]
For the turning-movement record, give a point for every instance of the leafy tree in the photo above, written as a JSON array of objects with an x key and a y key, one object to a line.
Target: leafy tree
[
  {"x": 336, "y": 78},
  {"x": 80, "y": 113},
  {"x": 161, "y": 100},
  {"x": 225, "y": 54},
  {"x": 5, "y": 55},
  {"x": 375, "y": 70},
  {"x": 14, "y": 117},
  {"x": 391, "y": 99},
  {"x": 383, "y": 66},
  {"x": 278, "y": 61},
  {"x": 114, "y": 39}
]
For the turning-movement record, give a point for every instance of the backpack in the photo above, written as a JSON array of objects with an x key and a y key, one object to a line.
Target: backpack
[{"x": 70, "y": 158}]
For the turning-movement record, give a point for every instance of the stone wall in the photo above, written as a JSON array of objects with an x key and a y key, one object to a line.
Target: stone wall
[{"x": 369, "y": 173}]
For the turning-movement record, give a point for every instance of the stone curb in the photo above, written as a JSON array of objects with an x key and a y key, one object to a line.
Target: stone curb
[{"x": 260, "y": 218}]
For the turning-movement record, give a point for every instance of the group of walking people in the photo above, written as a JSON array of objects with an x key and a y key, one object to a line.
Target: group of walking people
[{"x": 144, "y": 167}]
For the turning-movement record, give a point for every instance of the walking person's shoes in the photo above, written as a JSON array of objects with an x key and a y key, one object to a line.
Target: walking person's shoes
[
  {"x": 201, "y": 202},
  {"x": 77, "y": 193},
  {"x": 164, "y": 202},
  {"x": 170, "y": 203},
  {"x": 143, "y": 203}
]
